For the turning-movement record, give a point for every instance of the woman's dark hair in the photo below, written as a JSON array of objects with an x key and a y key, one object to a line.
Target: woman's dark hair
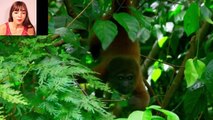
[{"x": 18, "y": 5}]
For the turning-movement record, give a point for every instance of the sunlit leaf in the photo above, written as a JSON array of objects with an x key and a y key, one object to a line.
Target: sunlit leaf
[
  {"x": 162, "y": 41},
  {"x": 147, "y": 115},
  {"x": 200, "y": 67},
  {"x": 153, "y": 107},
  {"x": 136, "y": 115},
  {"x": 156, "y": 74},
  {"x": 170, "y": 115},
  {"x": 190, "y": 73},
  {"x": 157, "y": 118},
  {"x": 193, "y": 71}
]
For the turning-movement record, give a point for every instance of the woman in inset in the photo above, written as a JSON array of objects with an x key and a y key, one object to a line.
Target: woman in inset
[{"x": 19, "y": 22}]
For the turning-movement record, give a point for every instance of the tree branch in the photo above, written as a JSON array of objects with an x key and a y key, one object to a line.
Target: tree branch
[{"x": 80, "y": 13}]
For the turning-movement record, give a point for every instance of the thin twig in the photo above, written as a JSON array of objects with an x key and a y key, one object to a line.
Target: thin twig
[
  {"x": 153, "y": 59},
  {"x": 69, "y": 24},
  {"x": 80, "y": 14},
  {"x": 113, "y": 100},
  {"x": 85, "y": 93}
]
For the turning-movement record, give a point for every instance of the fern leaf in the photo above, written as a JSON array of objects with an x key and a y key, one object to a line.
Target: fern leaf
[
  {"x": 2, "y": 117},
  {"x": 10, "y": 95}
]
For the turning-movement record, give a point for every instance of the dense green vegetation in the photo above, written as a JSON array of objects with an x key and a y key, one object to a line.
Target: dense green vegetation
[{"x": 39, "y": 76}]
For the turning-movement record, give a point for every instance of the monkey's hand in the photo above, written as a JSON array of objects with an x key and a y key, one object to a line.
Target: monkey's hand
[{"x": 139, "y": 101}]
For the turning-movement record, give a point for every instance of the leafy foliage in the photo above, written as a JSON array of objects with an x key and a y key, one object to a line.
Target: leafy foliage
[
  {"x": 193, "y": 71},
  {"x": 195, "y": 101},
  {"x": 208, "y": 79},
  {"x": 10, "y": 95},
  {"x": 147, "y": 114},
  {"x": 106, "y": 32},
  {"x": 129, "y": 23},
  {"x": 191, "y": 19},
  {"x": 1, "y": 112},
  {"x": 40, "y": 76},
  {"x": 48, "y": 83}
]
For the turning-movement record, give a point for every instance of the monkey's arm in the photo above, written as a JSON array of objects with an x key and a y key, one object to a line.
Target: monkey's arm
[{"x": 140, "y": 97}]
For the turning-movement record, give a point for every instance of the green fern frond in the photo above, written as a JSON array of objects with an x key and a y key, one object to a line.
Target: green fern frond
[
  {"x": 50, "y": 107},
  {"x": 92, "y": 104},
  {"x": 10, "y": 95},
  {"x": 2, "y": 117},
  {"x": 96, "y": 83}
]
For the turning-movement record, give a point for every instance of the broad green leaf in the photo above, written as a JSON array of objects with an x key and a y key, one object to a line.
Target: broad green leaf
[
  {"x": 195, "y": 100},
  {"x": 153, "y": 107},
  {"x": 147, "y": 115},
  {"x": 191, "y": 19},
  {"x": 106, "y": 32},
  {"x": 162, "y": 41},
  {"x": 156, "y": 74},
  {"x": 190, "y": 73},
  {"x": 66, "y": 34},
  {"x": 129, "y": 23},
  {"x": 143, "y": 20},
  {"x": 62, "y": 31},
  {"x": 136, "y": 115},
  {"x": 154, "y": 117},
  {"x": 143, "y": 35},
  {"x": 170, "y": 115},
  {"x": 209, "y": 71},
  {"x": 121, "y": 119},
  {"x": 208, "y": 77},
  {"x": 193, "y": 71},
  {"x": 208, "y": 45},
  {"x": 200, "y": 67},
  {"x": 206, "y": 13}
]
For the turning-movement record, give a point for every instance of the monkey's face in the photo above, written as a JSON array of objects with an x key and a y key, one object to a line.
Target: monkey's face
[
  {"x": 123, "y": 82},
  {"x": 122, "y": 74}
]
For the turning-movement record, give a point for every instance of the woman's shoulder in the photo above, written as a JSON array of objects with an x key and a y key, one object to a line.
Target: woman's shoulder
[{"x": 2, "y": 29}]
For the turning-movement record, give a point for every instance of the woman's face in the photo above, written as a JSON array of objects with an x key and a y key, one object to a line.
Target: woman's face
[{"x": 19, "y": 16}]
